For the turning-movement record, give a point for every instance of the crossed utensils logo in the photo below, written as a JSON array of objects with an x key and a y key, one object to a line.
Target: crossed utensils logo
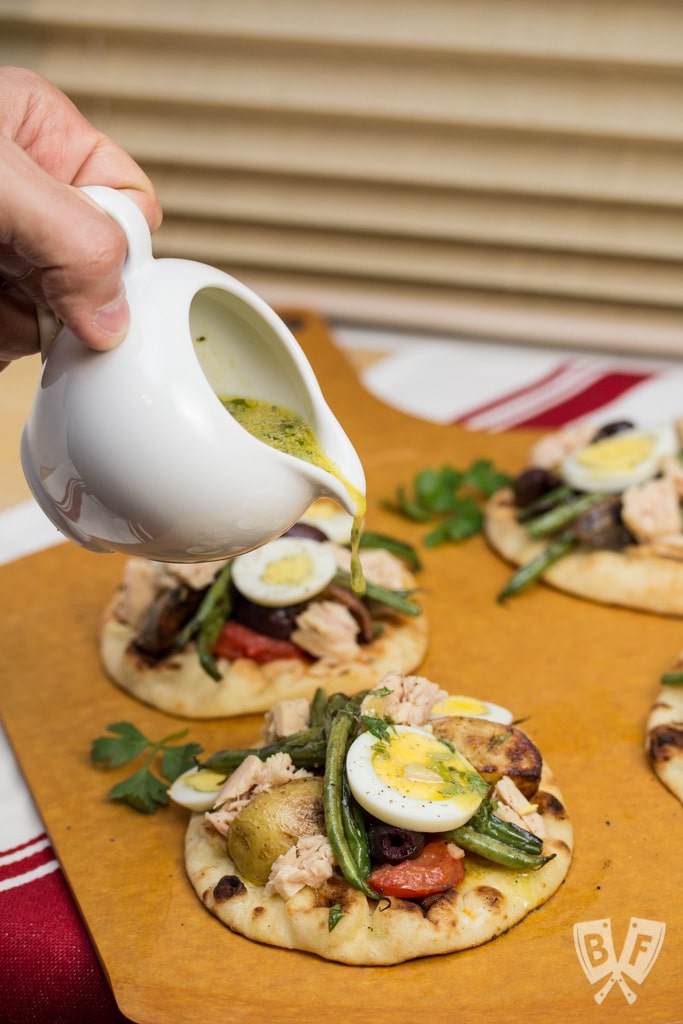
[{"x": 595, "y": 950}]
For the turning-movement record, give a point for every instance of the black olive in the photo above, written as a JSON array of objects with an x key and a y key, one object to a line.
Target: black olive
[
  {"x": 276, "y": 622},
  {"x": 306, "y": 530},
  {"x": 601, "y": 526},
  {"x": 164, "y": 619},
  {"x": 532, "y": 484},
  {"x": 390, "y": 845},
  {"x": 609, "y": 429}
]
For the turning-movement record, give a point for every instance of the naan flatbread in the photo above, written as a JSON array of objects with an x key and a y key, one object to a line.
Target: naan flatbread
[
  {"x": 178, "y": 684},
  {"x": 632, "y": 578},
  {"x": 664, "y": 735},
  {"x": 487, "y": 903}
]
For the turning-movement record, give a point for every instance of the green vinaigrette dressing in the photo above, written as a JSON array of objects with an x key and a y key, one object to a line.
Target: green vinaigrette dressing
[{"x": 289, "y": 433}]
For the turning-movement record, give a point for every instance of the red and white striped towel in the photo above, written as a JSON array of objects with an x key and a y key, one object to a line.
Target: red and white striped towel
[
  {"x": 49, "y": 972},
  {"x": 493, "y": 387}
]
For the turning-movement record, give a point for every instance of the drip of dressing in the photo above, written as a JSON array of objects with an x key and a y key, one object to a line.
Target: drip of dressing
[{"x": 289, "y": 433}]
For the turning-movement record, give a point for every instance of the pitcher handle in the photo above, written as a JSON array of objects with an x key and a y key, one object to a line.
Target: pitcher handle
[{"x": 131, "y": 219}]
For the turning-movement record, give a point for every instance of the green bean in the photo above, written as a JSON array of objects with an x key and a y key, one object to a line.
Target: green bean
[
  {"x": 317, "y": 713},
  {"x": 398, "y": 600},
  {"x": 208, "y": 635},
  {"x": 672, "y": 679},
  {"x": 354, "y": 830},
  {"x": 333, "y": 781},
  {"x": 306, "y": 749},
  {"x": 494, "y": 850},
  {"x": 335, "y": 703},
  {"x": 488, "y": 823},
  {"x": 208, "y": 620},
  {"x": 529, "y": 573},
  {"x": 406, "y": 552},
  {"x": 562, "y": 515},
  {"x": 551, "y": 499}
]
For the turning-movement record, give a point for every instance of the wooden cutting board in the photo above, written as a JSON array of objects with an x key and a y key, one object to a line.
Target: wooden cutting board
[{"x": 581, "y": 675}]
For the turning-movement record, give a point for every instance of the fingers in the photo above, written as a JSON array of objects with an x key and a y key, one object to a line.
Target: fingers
[
  {"x": 19, "y": 328},
  {"x": 57, "y": 248},
  {"x": 77, "y": 250},
  {"x": 47, "y": 126}
]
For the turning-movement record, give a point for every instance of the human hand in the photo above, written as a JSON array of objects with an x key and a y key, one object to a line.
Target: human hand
[{"x": 58, "y": 249}]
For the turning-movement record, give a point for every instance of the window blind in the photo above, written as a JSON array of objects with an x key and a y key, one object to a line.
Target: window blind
[{"x": 505, "y": 167}]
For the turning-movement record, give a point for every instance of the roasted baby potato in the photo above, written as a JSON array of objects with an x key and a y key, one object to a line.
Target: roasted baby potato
[
  {"x": 271, "y": 823},
  {"x": 494, "y": 750}
]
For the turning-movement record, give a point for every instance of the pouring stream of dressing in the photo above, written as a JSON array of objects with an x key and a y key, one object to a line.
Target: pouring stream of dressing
[{"x": 289, "y": 433}]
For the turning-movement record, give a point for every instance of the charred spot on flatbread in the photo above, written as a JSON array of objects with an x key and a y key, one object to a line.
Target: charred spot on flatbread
[
  {"x": 227, "y": 887},
  {"x": 665, "y": 742},
  {"x": 440, "y": 905},
  {"x": 491, "y": 897},
  {"x": 663, "y": 738},
  {"x": 549, "y": 805}
]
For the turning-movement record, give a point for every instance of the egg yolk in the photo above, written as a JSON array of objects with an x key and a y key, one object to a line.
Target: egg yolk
[
  {"x": 616, "y": 454},
  {"x": 421, "y": 767},
  {"x": 205, "y": 781},
  {"x": 288, "y": 569},
  {"x": 460, "y": 706},
  {"x": 323, "y": 508}
]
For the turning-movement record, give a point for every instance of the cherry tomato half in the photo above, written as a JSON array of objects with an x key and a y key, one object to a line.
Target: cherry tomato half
[
  {"x": 434, "y": 871},
  {"x": 238, "y": 641}
]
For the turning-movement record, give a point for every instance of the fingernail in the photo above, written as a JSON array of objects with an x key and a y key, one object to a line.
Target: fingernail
[{"x": 113, "y": 319}]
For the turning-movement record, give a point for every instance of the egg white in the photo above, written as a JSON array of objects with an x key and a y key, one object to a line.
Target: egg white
[
  {"x": 471, "y": 707},
  {"x": 329, "y": 517},
  {"x": 604, "y": 479},
  {"x": 285, "y": 571},
  {"x": 413, "y": 801},
  {"x": 186, "y": 795}
]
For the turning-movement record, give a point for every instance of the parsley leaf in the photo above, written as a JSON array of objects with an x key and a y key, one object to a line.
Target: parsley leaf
[
  {"x": 379, "y": 727},
  {"x": 127, "y": 744},
  {"x": 334, "y": 916},
  {"x": 143, "y": 790},
  {"x": 451, "y": 499}
]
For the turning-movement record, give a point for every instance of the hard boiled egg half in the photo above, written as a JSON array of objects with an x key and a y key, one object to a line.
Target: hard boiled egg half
[
  {"x": 196, "y": 789},
  {"x": 616, "y": 462},
  {"x": 471, "y": 707},
  {"x": 331, "y": 518},
  {"x": 285, "y": 571},
  {"x": 413, "y": 780}
]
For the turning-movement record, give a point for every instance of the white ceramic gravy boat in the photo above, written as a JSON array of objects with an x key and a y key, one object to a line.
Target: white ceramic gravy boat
[{"x": 132, "y": 451}]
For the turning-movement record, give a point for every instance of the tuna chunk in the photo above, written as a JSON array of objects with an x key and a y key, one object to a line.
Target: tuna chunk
[
  {"x": 311, "y": 862},
  {"x": 514, "y": 807},
  {"x": 550, "y": 450},
  {"x": 198, "y": 575},
  {"x": 327, "y": 630},
  {"x": 409, "y": 702},
  {"x": 285, "y": 718},
  {"x": 143, "y": 581},
  {"x": 652, "y": 509},
  {"x": 253, "y": 776},
  {"x": 379, "y": 566}
]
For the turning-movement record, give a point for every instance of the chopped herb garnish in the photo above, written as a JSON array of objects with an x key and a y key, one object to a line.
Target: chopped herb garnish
[
  {"x": 335, "y": 915},
  {"x": 379, "y": 727}
]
